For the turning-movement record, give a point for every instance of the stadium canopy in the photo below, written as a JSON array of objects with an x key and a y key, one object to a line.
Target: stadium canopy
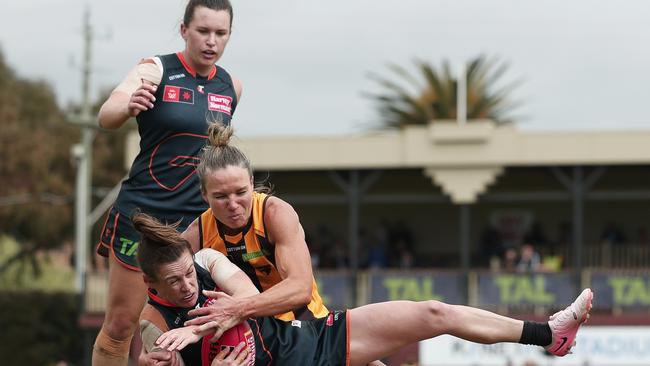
[{"x": 462, "y": 159}]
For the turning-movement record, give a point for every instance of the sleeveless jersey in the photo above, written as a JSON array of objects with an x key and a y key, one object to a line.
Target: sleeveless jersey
[
  {"x": 162, "y": 180},
  {"x": 175, "y": 317},
  {"x": 252, "y": 251},
  {"x": 320, "y": 342}
]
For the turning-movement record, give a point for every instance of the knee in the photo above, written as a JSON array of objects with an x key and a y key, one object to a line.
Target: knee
[
  {"x": 441, "y": 314},
  {"x": 107, "y": 346},
  {"x": 120, "y": 325}
]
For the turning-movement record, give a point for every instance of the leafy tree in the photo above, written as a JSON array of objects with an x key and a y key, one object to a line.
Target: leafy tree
[
  {"x": 435, "y": 94},
  {"x": 37, "y": 171}
]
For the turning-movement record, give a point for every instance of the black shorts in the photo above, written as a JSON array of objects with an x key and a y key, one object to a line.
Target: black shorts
[
  {"x": 318, "y": 342},
  {"x": 120, "y": 237}
]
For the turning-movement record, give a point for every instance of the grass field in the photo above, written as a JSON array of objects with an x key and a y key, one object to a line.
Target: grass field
[{"x": 20, "y": 276}]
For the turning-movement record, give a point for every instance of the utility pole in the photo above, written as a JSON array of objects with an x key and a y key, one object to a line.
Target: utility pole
[{"x": 82, "y": 152}]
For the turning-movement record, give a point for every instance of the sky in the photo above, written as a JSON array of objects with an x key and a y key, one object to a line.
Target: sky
[{"x": 305, "y": 64}]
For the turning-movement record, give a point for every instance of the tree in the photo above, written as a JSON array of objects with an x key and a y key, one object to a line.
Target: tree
[
  {"x": 37, "y": 170},
  {"x": 436, "y": 98}
]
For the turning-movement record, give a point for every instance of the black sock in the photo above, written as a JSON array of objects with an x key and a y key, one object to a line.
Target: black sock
[{"x": 536, "y": 333}]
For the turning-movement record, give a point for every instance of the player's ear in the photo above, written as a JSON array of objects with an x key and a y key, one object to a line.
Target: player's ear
[
  {"x": 183, "y": 31},
  {"x": 148, "y": 280}
]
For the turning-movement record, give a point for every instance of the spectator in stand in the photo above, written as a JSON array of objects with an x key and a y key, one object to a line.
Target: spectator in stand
[
  {"x": 378, "y": 248},
  {"x": 535, "y": 235},
  {"x": 510, "y": 259},
  {"x": 403, "y": 257},
  {"x": 529, "y": 259}
]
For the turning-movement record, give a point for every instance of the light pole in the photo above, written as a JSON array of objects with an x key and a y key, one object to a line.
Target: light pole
[{"x": 82, "y": 153}]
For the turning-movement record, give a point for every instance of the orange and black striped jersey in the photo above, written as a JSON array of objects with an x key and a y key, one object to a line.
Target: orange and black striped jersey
[{"x": 251, "y": 250}]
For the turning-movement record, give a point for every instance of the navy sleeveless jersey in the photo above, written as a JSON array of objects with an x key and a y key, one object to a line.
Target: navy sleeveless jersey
[
  {"x": 319, "y": 342},
  {"x": 175, "y": 317},
  {"x": 163, "y": 180}
]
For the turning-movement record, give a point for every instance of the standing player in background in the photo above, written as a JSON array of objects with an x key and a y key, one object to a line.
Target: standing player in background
[{"x": 170, "y": 96}]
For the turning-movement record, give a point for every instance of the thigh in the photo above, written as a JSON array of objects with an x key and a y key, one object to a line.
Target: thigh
[
  {"x": 377, "y": 330},
  {"x": 127, "y": 293}
]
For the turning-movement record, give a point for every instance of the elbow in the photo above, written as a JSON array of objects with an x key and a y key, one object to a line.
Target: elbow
[
  {"x": 304, "y": 296},
  {"x": 111, "y": 118},
  {"x": 104, "y": 122}
]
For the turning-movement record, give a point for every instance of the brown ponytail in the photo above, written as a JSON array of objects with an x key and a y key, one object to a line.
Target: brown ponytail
[{"x": 159, "y": 244}]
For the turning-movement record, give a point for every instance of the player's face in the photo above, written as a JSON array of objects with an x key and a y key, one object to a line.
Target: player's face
[
  {"x": 206, "y": 37},
  {"x": 177, "y": 282},
  {"x": 229, "y": 192}
]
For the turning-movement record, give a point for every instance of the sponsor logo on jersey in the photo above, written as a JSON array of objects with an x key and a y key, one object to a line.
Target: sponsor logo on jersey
[
  {"x": 200, "y": 89},
  {"x": 296, "y": 323},
  {"x": 220, "y": 103},
  {"x": 330, "y": 320},
  {"x": 177, "y": 94},
  {"x": 247, "y": 257},
  {"x": 176, "y": 76},
  {"x": 128, "y": 247},
  {"x": 235, "y": 249}
]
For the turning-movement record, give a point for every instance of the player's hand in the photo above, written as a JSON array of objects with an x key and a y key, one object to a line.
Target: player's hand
[
  {"x": 222, "y": 313},
  {"x": 159, "y": 358},
  {"x": 142, "y": 99},
  {"x": 177, "y": 339},
  {"x": 237, "y": 357}
]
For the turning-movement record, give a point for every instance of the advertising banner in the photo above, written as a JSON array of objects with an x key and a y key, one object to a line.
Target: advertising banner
[
  {"x": 629, "y": 291},
  {"x": 335, "y": 288},
  {"x": 449, "y": 287},
  {"x": 541, "y": 289},
  {"x": 596, "y": 346}
]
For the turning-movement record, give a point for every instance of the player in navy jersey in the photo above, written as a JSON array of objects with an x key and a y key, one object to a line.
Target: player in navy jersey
[
  {"x": 171, "y": 96},
  {"x": 178, "y": 281}
]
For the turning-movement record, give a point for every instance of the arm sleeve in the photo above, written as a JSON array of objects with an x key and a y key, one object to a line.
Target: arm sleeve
[
  {"x": 149, "y": 332},
  {"x": 220, "y": 267}
]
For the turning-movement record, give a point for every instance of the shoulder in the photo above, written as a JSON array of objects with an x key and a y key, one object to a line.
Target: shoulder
[
  {"x": 277, "y": 209},
  {"x": 151, "y": 69},
  {"x": 151, "y": 317},
  {"x": 273, "y": 203}
]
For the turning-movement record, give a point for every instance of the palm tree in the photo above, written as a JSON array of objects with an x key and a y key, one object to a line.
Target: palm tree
[{"x": 436, "y": 99}]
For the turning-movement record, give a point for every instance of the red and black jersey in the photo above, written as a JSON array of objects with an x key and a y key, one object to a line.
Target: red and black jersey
[
  {"x": 319, "y": 342},
  {"x": 162, "y": 180}
]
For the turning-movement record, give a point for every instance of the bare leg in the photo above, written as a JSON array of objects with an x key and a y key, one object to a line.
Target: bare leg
[
  {"x": 126, "y": 298},
  {"x": 377, "y": 330}
]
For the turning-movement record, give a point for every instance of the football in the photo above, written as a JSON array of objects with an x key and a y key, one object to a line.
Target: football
[{"x": 229, "y": 339}]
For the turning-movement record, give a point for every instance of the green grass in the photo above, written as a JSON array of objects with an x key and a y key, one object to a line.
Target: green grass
[{"x": 20, "y": 276}]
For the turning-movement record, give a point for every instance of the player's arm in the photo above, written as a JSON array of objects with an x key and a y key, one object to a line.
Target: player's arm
[
  {"x": 292, "y": 261},
  {"x": 294, "y": 264},
  {"x": 133, "y": 95},
  {"x": 228, "y": 277},
  {"x": 236, "y": 83},
  {"x": 150, "y": 355}
]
